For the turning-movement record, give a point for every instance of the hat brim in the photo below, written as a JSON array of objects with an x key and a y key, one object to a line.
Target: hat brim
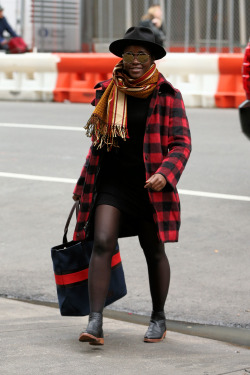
[{"x": 117, "y": 47}]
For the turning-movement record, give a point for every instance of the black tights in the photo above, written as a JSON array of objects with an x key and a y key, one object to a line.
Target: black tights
[{"x": 107, "y": 224}]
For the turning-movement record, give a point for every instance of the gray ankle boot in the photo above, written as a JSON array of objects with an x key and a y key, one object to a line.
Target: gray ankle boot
[
  {"x": 157, "y": 327},
  {"x": 94, "y": 332}
]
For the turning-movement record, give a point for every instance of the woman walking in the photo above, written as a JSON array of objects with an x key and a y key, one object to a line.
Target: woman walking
[{"x": 140, "y": 146}]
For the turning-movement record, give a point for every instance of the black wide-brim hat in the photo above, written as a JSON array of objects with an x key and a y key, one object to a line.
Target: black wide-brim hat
[{"x": 139, "y": 36}]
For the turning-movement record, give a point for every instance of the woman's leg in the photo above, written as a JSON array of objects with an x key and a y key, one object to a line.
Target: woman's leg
[
  {"x": 107, "y": 219},
  {"x": 106, "y": 230},
  {"x": 159, "y": 278},
  {"x": 158, "y": 265}
]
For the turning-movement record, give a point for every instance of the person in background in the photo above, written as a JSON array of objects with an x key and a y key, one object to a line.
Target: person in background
[
  {"x": 5, "y": 26},
  {"x": 153, "y": 20},
  {"x": 140, "y": 146}
]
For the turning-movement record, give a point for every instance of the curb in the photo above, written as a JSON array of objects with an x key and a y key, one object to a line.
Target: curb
[{"x": 232, "y": 335}]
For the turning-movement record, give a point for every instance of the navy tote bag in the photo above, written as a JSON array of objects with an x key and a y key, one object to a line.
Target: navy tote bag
[{"x": 71, "y": 263}]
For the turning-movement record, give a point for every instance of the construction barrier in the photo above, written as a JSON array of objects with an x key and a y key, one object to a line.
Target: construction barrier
[
  {"x": 79, "y": 73},
  {"x": 29, "y": 76},
  {"x": 230, "y": 92},
  {"x": 195, "y": 75},
  {"x": 205, "y": 80}
]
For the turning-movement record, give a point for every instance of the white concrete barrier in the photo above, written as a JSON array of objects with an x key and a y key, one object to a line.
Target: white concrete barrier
[
  {"x": 29, "y": 76},
  {"x": 195, "y": 75},
  {"x": 205, "y": 80}
]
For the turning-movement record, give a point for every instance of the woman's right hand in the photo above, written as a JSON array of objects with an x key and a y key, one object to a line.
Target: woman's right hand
[
  {"x": 76, "y": 197},
  {"x": 157, "y": 22}
]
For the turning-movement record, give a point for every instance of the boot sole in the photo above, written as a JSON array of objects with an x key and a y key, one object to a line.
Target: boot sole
[
  {"x": 92, "y": 340},
  {"x": 156, "y": 340}
]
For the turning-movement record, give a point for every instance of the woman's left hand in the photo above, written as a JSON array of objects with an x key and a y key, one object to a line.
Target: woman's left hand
[{"x": 156, "y": 182}]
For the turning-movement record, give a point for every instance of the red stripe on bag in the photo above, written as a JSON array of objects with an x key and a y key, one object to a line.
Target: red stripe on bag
[
  {"x": 72, "y": 278},
  {"x": 76, "y": 277},
  {"x": 116, "y": 259}
]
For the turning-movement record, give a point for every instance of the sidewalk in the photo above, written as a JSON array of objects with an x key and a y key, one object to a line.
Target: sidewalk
[{"x": 36, "y": 340}]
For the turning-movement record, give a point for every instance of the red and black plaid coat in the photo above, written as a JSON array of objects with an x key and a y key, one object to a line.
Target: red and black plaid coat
[{"x": 167, "y": 146}]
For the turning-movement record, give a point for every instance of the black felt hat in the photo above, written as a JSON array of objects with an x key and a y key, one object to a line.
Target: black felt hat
[{"x": 138, "y": 35}]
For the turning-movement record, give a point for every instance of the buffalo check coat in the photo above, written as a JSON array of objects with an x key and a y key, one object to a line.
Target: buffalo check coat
[{"x": 167, "y": 146}]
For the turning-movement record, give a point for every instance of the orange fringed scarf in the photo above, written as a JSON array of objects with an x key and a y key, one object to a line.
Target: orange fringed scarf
[{"x": 109, "y": 119}]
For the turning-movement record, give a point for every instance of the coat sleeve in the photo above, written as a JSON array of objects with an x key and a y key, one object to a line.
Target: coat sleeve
[
  {"x": 79, "y": 185},
  {"x": 158, "y": 33},
  {"x": 179, "y": 143},
  {"x": 9, "y": 29}
]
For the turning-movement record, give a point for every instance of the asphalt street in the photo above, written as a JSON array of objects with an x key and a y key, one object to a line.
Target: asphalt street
[{"x": 210, "y": 264}]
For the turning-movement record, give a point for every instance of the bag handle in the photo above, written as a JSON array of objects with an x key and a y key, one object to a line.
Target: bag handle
[{"x": 75, "y": 207}]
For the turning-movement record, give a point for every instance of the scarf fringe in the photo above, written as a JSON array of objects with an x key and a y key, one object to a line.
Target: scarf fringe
[
  {"x": 112, "y": 106},
  {"x": 104, "y": 134}
]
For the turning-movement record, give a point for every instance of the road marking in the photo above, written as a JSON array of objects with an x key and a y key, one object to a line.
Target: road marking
[
  {"x": 44, "y": 127},
  {"x": 214, "y": 195},
  {"x": 73, "y": 181},
  {"x": 38, "y": 178}
]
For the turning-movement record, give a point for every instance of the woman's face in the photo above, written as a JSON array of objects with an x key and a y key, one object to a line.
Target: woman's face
[{"x": 135, "y": 68}]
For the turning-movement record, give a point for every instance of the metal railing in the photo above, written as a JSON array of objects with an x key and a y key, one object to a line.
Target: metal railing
[{"x": 191, "y": 25}]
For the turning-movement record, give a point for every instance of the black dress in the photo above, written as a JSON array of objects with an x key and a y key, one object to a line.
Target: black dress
[{"x": 122, "y": 174}]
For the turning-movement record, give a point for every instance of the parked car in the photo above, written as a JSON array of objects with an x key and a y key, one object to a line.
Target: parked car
[{"x": 244, "y": 108}]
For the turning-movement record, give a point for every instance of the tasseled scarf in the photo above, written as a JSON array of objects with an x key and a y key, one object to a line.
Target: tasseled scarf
[{"x": 109, "y": 119}]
